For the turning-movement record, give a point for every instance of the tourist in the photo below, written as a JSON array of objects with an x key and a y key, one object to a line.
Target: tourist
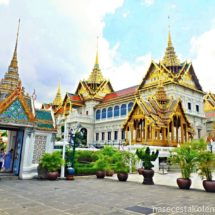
[
  {"x": 2, "y": 157},
  {"x": 8, "y": 160}
]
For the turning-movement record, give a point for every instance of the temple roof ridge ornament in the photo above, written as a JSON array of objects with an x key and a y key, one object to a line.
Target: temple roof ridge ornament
[{"x": 170, "y": 58}]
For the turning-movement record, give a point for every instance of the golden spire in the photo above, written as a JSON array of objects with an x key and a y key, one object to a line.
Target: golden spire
[
  {"x": 14, "y": 63},
  {"x": 96, "y": 76},
  {"x": 96, "y": 66},
  {"x": 58, "y": 99},
  {"x": 170, "y": 58}
]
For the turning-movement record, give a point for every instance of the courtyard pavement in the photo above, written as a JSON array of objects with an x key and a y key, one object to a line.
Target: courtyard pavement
[
  {"x": 91, "y": 196},
  {"x": 168, "y": 179}
]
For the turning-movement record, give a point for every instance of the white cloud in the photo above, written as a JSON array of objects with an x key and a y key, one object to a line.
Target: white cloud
[
  {"x": 204, "y": 50},
  {"x": 148, "y": 2},
  {"x": 127, "y": 74},
  {"x": 125, "y": 14},
  {"x": 57, "y": 42},
  {"x": 5, "y": 2}
]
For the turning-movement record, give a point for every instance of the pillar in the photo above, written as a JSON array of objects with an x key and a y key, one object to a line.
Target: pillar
[
  {"x": 172, "y": 133},
  {"x": 146, "y": 130}
]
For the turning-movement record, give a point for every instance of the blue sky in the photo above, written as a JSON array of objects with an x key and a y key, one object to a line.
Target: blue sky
[{"x": 58, "y": 40}]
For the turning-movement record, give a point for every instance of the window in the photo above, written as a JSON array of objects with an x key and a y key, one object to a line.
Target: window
[
  {"x": 189, "y": 106},
  {"x": 123, "y": 110},
  {"x": 109, "y": 135},
  {"x": 115, "y": 135},
  {"x": 98, "y": 114},
  {"x": 197, "y": 108},
  {"x": 104, "y": 113},
  {"x": 123, "y": 135},
  {"x": 103, "y": 135},
  {"x": 130, "y": 105},
  {"x": 116, "y": 111},
  {"x": 97, "y": 136},
  {"x": 110, "y": 112},
  {"x": 87, "y": 112}
]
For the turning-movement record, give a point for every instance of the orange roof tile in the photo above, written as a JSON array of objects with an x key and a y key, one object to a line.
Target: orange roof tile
[{"x": 121, "y": 93}]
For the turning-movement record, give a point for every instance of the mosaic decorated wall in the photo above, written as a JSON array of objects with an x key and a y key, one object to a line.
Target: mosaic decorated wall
[
  {"x": 14, "y": 113},
  {"x": 39, "y": 148}
]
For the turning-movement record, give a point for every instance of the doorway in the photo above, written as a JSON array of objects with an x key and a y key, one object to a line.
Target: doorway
[{"x": 11, "y": 142}]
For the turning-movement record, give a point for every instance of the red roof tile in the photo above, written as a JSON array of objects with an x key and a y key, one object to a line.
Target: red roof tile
[
  {"x": 75, "y": 98},
  {"x": 121, "y": 93},
  {"x": 59, "y": 111}
]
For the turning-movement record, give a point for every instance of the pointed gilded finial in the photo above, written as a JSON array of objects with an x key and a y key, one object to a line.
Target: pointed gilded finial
[
  {"x": 14, "y": 63},
  {"x": 97, "y": 55},
  {"x": 58, "y": 99},
  {"x": 96, "y": 76},
  {"x": 170, "y": 58}
]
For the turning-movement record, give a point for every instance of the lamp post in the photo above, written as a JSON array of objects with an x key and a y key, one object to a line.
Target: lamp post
[
  {"x": 72, "y": 141},
  {"x": 62, "y": 174}
]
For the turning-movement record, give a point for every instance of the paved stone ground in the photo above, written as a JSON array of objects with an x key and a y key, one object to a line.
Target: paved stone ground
[
  {"x": 168, "y": 179},
  {"x": 91, "y": 196}
]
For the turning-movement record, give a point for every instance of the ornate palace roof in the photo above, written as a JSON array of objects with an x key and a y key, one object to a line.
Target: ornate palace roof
[
  {"x": 96, "y": 87},
  {"x": 18, "y": 109},
  {"x": 44, "y": 119},
  {"x": 158, "y": 109},
  {"x": 170, "y": 70},
  {"x": 209, "y": 103},
  {"x": 183, "y": 75}
]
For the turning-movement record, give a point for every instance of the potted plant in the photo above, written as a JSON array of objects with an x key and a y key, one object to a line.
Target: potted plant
[
  {"x": 70, "y": 171},
  {"x": 101, "y": 165},
  {"x": 185, "y": 156},
  {"x": 147, "y": 157},
  {"x": 109, "y": 152},
  {"x": 109, "y": 171},
  {"x": 42, "y": 172},
  {"x": 205, "y": 167},
  {"x": 122, "y": 170},
  {"x": 52, "y": 162},
  {"x": 123, "y": 161}
]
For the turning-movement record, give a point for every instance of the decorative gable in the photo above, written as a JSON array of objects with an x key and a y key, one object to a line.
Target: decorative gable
[{"x": 14, "y": 113}]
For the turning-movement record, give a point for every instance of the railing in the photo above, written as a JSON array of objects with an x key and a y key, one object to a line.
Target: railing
[{"x": 98, "y": 145}]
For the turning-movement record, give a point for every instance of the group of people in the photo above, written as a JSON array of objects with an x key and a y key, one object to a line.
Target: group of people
[{"x": 6, "y": 160}]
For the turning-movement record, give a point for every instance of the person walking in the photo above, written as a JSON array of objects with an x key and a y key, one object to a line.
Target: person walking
[
  {"x": 8, "y": 161},
  {"x": 2, "y": 157}
]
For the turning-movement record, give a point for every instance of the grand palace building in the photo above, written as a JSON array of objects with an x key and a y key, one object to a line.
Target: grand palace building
[{"x": 166, "y": 109}]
